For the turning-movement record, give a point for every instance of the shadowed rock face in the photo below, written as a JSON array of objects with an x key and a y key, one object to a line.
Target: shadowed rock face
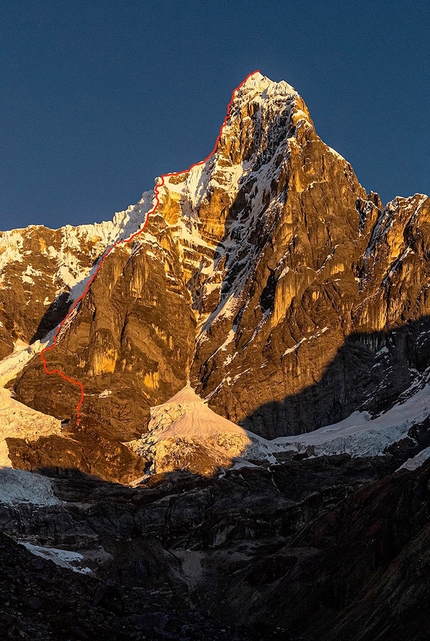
[
  {"x": 369, "y": 372},
  {"x": 362, "y": 566},
  {"x": 302, "y": 549},
  {"x": 44, "y": 602},
  {"x": 267, "y": 276}
]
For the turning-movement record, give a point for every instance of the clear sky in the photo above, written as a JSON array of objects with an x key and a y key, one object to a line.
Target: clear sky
[{"x": 98, "y": 97}]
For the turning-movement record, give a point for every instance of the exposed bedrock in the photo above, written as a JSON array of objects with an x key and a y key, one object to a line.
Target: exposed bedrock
[
  {"x": 125, "y": 345},
  {"x": 288, "y": 295}
]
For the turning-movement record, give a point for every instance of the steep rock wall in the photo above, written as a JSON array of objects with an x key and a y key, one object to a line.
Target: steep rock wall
[{"x": 268, "y": 276}]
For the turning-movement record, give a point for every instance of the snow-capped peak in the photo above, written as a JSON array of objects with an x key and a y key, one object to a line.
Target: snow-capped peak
[{"x": 257, "y": 83}]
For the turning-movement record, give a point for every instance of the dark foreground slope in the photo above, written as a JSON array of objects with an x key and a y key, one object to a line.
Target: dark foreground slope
[
  {"x": 322, "y": 549},
  {"x": 43, "y": 602}
]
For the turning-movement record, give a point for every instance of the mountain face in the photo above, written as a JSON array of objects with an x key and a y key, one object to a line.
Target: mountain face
[
  {"x": 246, "y": 350},
  {"x": 266, "y": 276}
]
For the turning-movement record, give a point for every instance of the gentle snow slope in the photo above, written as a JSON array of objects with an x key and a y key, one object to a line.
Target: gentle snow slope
[
  {"x": 184, "y": 433},
  {"x": 359, "y": 434},
  {"x": 186, "y": 422}
]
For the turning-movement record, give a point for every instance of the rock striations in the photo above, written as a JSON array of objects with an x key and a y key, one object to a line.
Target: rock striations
[
  {"x": 255, "y": 360},
  {"x": 266, "y": 276}
]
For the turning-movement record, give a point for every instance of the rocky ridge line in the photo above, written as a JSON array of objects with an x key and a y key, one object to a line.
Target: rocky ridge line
[{"x": 288, "y": 280}]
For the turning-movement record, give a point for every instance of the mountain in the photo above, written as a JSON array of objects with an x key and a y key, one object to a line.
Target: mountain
[{"x": 246, "y": 350}]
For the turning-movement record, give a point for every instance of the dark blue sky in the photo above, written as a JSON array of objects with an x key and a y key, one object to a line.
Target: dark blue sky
[{"x": 100, "y": 96}]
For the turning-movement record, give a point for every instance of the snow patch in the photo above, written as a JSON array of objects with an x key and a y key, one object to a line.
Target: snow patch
[
  {"x": 11, "y": 245},
  {"x": 63, "y": 558},
  {"x": 292, "y": 349},
  {"x": 184, "y": 425},
  {"x": 359, "y": 434},
  {"x": 18, "y": 486},
  {"x": 12, "y": 364},
  {"x": 415, "y": 462}
]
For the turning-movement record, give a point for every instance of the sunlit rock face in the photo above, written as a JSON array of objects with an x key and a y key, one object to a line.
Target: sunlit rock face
[
  {"x": 292, "y": 269},
  {"x": 125, "y": 343},
  {"x": 266, "y": 276},
  {"x": 42, "y": 271}
]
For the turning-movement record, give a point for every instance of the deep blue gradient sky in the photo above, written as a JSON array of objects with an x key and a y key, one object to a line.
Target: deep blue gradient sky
[{"x": 98, "y": 97}]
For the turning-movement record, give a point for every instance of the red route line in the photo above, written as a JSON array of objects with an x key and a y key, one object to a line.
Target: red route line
[{"x": 118, "y": 242}]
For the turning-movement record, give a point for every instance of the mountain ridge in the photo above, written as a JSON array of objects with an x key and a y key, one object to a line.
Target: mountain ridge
[
  {"x": 270, "y": 252},
  {"x": 253, "y": 443}
]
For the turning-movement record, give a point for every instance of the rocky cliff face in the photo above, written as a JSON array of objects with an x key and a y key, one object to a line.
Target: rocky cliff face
[
  {"x": 129, "y": 343},
  {"x": 266, "y": 275},
  {"x": 43, "y": 270}
]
